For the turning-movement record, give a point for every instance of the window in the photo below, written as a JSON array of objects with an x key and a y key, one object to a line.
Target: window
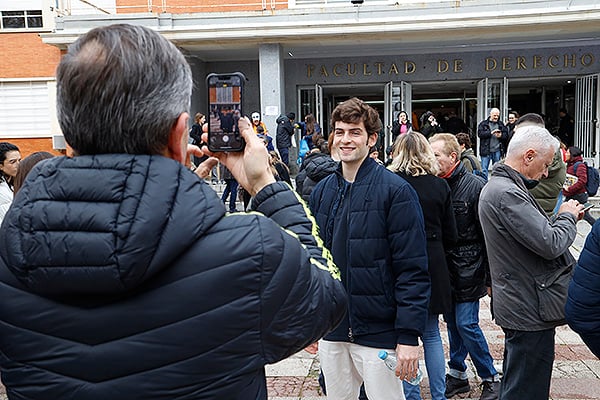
[
  {"x": 21, "y": 19},
  {"x": 25, "y": 109}
]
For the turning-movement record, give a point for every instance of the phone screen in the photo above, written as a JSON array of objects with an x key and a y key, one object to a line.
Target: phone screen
[{"x": 225, "y": 93}]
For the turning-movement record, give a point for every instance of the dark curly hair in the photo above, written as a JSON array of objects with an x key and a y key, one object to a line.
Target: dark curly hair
[{"x": 354, "y": 111}]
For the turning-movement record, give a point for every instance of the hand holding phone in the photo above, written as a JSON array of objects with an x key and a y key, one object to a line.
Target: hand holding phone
[
  {"x": 250, "y": 168},
  {"x": 225, "y": 93}
]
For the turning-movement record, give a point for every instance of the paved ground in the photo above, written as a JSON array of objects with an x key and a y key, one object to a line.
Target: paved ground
[{"x": 576, "y": 373}]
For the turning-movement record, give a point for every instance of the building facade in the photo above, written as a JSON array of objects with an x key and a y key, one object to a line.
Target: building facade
[{"x": 455, "y": 58}]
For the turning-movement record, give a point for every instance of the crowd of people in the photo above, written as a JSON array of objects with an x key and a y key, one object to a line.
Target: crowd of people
[{"x": 122, "y": 276}]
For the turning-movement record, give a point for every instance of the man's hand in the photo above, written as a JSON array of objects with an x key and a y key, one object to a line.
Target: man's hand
[
  {"x": 312, "y": 348},
  {"x": 573, "y": 207},
  {"x": 407, "y": 358},
  {"x": 202, "y": 170},
  {"x": 251, "y": 168}
]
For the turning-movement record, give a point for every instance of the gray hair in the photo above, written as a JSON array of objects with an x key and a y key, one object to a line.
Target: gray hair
[
  {"x": 120, "y": 89},
  {"x": 531, "y": 137}
]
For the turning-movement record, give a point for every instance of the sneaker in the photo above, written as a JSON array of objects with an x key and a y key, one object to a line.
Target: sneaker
[
  {"x": 489, "y": 390},
  {"x": 455, "y": 386}
]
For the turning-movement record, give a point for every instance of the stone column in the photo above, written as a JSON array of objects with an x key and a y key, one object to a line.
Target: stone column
[{"x": 272, "y": 84}]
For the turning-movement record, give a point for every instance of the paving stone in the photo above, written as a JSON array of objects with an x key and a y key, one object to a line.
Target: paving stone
[{"x": 290, "y": 367}]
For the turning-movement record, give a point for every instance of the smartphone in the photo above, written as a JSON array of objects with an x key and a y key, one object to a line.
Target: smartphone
[
  {"x": 225, "y": 95},
  {"x": 587, "y": 206}
]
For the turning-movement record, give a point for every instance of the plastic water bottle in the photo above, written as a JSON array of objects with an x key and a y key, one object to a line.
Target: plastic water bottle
[{"x": 389, "y": 360}]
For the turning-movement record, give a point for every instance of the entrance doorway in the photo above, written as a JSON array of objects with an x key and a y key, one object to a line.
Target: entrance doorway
[{"x": 469, "y": 102}]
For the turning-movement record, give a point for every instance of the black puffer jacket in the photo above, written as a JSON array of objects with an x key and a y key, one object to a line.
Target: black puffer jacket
[
  {"x": 467, "y": 259},
  {"x": 121, "y": 277},
  {"x": 315, "y": 167}
]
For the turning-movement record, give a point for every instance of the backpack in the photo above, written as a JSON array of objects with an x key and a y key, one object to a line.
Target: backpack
[
  {"x": 593, "y": 178},
  {"x": 476, "y": 171}
]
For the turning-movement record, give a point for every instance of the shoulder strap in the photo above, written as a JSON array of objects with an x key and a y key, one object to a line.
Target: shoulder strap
[{"x": 473, "y": 163}]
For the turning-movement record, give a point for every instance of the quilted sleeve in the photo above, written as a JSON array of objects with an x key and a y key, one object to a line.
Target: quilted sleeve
[{"x": 302, "y": 295}]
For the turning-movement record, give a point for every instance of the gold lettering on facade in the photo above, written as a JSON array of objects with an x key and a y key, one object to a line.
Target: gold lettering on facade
[
  {"x": 443, "y": 66},
  {"x": 351, "y": 69},
  {"x": 570, "y": 59},
  {"x": 336, "y": 69},
  {"x": 324, "y": 71},
  {"x": 587, "y": 59},
  {"x": 458, "y": 66}
]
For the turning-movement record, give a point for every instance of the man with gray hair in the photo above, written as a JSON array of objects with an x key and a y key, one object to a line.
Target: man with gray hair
[
  {"x": 122, "y": 277},
  {"x": 493, "y": 135},
  {"x": 530, "y": 263}
]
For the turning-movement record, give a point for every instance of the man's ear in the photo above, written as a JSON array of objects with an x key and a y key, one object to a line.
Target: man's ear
[
  {"x": 372, "y": 139},
  {"x": 178, "y": 139},
  {"x": 529, "y": 156}
]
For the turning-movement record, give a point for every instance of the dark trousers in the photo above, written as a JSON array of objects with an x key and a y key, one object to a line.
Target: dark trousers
[
  {"x": 528, "y": 359},
  {"x": 231, "y": 192},
  {"x": 284, "y": 152}
]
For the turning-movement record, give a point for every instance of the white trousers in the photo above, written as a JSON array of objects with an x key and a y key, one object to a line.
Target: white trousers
[{"x": 347, "y": 365}]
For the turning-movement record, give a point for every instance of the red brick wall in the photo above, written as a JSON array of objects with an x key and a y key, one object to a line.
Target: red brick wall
[
  {"x": 25, "y": 56},
  {"x": 193, "y": 6},
  {"x": 28, "y": 146}
]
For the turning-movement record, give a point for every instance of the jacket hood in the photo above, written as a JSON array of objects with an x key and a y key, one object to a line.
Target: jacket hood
[
  {"x": 319, "y": 166},
  {"x": 281, "y": 119},
  {"x": 103, "y": 224}
]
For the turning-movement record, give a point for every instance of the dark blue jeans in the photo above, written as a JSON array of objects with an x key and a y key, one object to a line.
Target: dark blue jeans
[
  {"x": 231, "y": 191},
  {"x": 466, "y": 337},
  {"x": 528, "y": 359},
  {"x": 494, "y": 157}
]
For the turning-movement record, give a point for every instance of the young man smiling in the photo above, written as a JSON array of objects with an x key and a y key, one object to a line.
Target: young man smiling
[{"x": 371, "y": 221}]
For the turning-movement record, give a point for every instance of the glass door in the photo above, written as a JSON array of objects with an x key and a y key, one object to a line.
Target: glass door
[
  {"x": 319, "y": 107},
  {"x": 492, "y": 93},
  {"x": 406, "y": 99},
  {"x": 587, "y": 110},
  {"x": 388, "y": 113}
]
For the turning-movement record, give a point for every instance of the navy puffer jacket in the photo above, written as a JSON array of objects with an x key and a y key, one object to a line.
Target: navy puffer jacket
[
  {"x": 387, "y": 280},
  {"x": 121, "y": 277},
  {"x": 583, "y": 303}
]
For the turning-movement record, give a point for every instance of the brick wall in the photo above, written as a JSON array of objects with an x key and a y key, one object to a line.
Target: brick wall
[
  {"x": 193, "y": 6},
  {"x": 25, "y": 56},
  {"x": 28, "y": 146}
]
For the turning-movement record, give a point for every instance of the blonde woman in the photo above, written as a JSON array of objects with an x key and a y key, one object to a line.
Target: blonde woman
[{"x": 414, "y": 161}]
